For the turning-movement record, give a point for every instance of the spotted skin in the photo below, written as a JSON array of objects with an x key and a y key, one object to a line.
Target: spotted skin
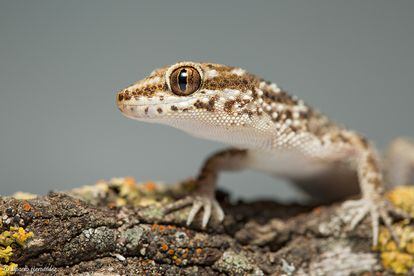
[{"x": 269, "y": 130}]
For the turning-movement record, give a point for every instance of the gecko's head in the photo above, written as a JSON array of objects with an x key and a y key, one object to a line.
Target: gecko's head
[{"x": 205, "y": 99}]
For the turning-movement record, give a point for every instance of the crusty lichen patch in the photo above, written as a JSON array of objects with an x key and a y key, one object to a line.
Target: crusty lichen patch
[
  {"x": 403, "y": 197},
  {"x": 125, "y": 191},
  {"x": 399, "y": 259},
  {"x": 340, "y": 259},
  {"x": 15, "y": 236},
  {"x": 236, "y": 264}
]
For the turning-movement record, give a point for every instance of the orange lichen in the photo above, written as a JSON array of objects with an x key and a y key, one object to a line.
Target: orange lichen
[
  {"x": 26, "y": 206},
  {"x": 164, "y": 247},
  {"x": 130, "y": 181},
  {"x": 150, "y": 186},
  {"x": 171, "y": 252},
  {"x": 199, "y": 251}
]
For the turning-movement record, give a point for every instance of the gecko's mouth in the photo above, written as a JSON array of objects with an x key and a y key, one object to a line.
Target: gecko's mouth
[{"x": 153, "y": 108}]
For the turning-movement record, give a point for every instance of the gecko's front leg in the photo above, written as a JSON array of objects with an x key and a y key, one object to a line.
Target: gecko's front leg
[
  {"x": 203, "y": 197},
  {"x": 371, "y": 186}
]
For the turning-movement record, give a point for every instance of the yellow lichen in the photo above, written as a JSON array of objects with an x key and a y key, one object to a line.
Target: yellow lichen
[
  {"x": 8, "y": 240},
  {"x": 126, "y": 191},
  {"x": 6, "y": 270},
  {"x": 20, "y": 235},
  {"x": 23, "y": 196},
  {"x": 403, "y": 197},
  {"x": 398, "y": 262},
  {"x": 398, "y": 258},
  {"x": 6, "y": 254}
]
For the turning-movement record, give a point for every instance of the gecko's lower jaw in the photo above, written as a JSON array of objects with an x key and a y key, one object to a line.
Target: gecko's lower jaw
[
  {"x": 141, "y": 111},
  {"x": 150, "y": 109}
]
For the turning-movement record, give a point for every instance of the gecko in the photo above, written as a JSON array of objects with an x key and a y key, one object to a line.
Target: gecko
[{"x": 268, "y": 130}]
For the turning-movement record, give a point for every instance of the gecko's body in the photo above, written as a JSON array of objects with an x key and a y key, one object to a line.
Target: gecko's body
[{"x": 268, "y": 129}]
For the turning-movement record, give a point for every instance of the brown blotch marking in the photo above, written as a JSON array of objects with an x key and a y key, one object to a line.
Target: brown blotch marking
[
  {"x": 248, "y": 112},
  {"x": 372, "y": 163},
  {"x": 364, "y": 142},
  {"x": 127, "y": 96},
  {"x": 288, "y": 114},
  {"x": 159, "y": 110},
  {"x": 208, "y": 106},
  {"x": 228, "y": 106},
  {"x": 161, "y": 98},
  {"x": 146, "y": 110},
  {"x": 231, "y": 81},
  {"x": 174, "y": 108},
  {"x": 211, "y": 103},
  {"x": 120, "y": 97}
]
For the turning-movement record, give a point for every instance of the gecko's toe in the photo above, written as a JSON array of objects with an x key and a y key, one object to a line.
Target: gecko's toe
[
  {"x": 197, "y": 205},
  {"x": 219, "y": 211},
  {"x": 207, "y": 205},
  {"x": 357, "y": 210}
]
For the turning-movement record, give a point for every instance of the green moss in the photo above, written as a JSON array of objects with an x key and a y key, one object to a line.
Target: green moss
[{"x": 16, "y": 236}]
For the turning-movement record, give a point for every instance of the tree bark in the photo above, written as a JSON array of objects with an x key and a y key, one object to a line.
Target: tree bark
[{"x": 118, "y": 228}]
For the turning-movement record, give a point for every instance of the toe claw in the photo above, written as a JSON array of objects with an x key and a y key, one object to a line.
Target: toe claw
[
  {"x": 209, "y": 205},
  {"x": 376, "y": 208},
  {"x": 207, "y": 213},
  {"x": 218, "y": 210},
  {"x": 193, "y": 212}
]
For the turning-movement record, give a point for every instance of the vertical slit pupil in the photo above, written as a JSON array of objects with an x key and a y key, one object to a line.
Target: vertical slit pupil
[{"x": 182, "y": 79}]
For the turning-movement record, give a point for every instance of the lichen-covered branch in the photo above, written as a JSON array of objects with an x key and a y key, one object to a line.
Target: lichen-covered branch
[{"x": 118, "y": 227}]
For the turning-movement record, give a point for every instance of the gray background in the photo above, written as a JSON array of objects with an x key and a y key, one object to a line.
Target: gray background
[{"x": 61, "y": 63}]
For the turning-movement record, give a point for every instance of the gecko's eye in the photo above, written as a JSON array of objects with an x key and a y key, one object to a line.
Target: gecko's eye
[{"x": 185, "y": 80}]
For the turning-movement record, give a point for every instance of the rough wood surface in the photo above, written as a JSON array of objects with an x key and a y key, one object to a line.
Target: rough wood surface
[{"x": 118, "y": 227}]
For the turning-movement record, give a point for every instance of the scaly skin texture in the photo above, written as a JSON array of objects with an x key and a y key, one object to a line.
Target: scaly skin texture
[{"x": 269, "y": 130}]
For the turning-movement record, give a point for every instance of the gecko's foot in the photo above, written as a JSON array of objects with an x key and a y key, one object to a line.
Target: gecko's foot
[
  {"x": 208, "y": 204},
  {"x": 356, "y": 210}
]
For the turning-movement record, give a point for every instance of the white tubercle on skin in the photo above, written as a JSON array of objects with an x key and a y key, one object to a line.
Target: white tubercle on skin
[
  {"x": 274, "y": 88},
  {"x": 238, "y": 71},
  {"x": 231, "y": 92},
  {"x": 211, "y": 74},
  {"x": 152, "y": 111},
  {"x": 246, "y": 98}
]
